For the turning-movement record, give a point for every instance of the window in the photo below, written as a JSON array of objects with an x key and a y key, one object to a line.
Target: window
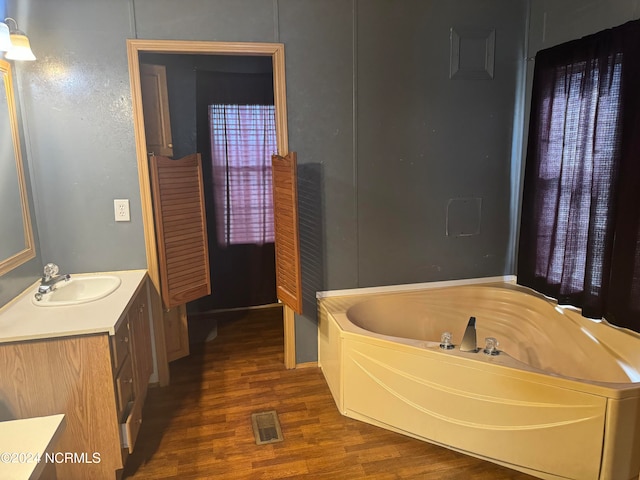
[
  {"x": 243, "y": 138},
  {"x": 580, "y": 222},
  {"x": 577, "y": 159}
]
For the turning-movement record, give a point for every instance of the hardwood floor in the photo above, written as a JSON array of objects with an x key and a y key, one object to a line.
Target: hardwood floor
[{"x": 200, "y": 426}]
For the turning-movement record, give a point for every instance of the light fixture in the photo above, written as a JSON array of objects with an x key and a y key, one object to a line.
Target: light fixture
[
  {"x": 20, "y": 48},
  {"x": 5, "y": 40}
]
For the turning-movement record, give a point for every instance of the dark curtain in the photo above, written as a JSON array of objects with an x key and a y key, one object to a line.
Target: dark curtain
[
  {"x": 241, "y": 275},
  {"x": 580, "y": 225}
]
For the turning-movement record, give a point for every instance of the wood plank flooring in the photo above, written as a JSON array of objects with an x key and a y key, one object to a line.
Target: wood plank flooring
[{"x": 200, "y": 426}]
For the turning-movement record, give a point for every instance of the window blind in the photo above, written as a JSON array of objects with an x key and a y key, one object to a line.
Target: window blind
[{"x": 243, "y": 138}]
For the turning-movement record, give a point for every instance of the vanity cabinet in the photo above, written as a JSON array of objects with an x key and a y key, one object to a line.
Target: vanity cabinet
[
  {"x": 133, "y": 371},
  {"x": 99, "y": 381}
]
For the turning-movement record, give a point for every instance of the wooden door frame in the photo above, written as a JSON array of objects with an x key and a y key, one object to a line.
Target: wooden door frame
[{"x": 134, "y": 47}]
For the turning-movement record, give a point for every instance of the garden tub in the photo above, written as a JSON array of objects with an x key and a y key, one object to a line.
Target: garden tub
[{"x": 560, "y": 400}]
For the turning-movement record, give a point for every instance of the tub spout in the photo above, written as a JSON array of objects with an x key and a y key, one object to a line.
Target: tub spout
[{"x": 469, "y": 343}]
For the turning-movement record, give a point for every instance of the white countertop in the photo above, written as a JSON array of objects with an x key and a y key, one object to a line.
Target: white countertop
[
  {"x": 21, "y": 320},
  {"x": 24, "y": 442}
]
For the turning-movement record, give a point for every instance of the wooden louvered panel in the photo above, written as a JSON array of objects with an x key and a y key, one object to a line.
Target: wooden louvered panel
[
  {"x": 287, "y": 240},
  {"x": 178, "y": 204}
]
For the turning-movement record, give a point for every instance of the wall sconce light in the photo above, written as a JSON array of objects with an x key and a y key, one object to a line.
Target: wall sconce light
[{"x": 19, "y": 48}]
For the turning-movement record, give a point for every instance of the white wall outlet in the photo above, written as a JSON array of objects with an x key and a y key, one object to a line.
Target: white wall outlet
[{"x": 121, "y": 209}]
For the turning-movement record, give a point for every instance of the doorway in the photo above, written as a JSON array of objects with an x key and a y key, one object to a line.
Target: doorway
[
  {"x": 221, "y": 106},
  {"x": 134, "y": 49}
]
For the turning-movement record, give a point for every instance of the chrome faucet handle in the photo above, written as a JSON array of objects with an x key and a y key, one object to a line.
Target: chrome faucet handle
[
  {"x": 445, "y": 341},
  {"x": 50, "y": 271},
  {"x": 491, "y": 346}
]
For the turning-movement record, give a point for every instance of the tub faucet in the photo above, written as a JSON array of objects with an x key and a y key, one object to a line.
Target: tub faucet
[
  {"x": 50, "y": 279},
  {"x": 469, "y": 343}
]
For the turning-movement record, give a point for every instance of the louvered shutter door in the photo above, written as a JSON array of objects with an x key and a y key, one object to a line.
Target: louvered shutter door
[
  {"x": 287, "y": 242},
  {"x": 181, "y": 231}
]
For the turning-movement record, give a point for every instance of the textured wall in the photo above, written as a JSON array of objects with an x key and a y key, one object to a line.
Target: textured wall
[
  {"x": 434, "y": 151},
  {"x": 318, "y": 38},
  {"x": 384, "y": 138},
  {"x": 77, "y": 103}
]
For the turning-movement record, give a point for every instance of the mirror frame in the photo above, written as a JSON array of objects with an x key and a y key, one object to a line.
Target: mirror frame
[{"x": 29, "y": 251}]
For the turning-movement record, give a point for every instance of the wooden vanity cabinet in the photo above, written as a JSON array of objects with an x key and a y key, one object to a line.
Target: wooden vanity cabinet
[
  {"x": 134, "y": 371},
  {"x": 98, "y": 381}
]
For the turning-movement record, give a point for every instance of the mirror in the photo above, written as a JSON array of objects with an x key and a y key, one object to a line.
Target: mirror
[{"x": 16, "y": 236}]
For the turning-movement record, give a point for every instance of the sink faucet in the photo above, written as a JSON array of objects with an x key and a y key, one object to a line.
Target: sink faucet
[
  {"x": 469, "y": 343},
  {"x": 50, "y": 279}
]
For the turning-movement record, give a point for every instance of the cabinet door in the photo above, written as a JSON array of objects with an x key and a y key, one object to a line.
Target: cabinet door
[
  {"x": 70, "y": 375},
  {"x": 141, "y": 344},
  {"x": 176, "y": 332}
]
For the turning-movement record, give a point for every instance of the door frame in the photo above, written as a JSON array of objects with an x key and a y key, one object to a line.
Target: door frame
[{"x": 134, "y": 48}]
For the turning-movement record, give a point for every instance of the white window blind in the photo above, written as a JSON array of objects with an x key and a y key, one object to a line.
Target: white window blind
[{"x": 243, "y": 138}]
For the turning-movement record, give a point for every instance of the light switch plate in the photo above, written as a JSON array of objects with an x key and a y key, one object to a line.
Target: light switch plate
[{"x": 121, "y": 209}]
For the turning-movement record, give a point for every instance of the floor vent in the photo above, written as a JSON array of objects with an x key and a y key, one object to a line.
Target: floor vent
[{"x": 266, "y": 427}]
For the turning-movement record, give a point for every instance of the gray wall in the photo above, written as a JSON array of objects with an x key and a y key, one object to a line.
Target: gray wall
[
  {"x": 77, "y": 102},
  {"x": 426, "y": 141},
  {"x": 385, "y": 139}
]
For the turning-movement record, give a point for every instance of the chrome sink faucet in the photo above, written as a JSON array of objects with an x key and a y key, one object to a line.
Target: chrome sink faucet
[
  {"x": 469, "y": 343},
  {"x": 50, "y": 279}
]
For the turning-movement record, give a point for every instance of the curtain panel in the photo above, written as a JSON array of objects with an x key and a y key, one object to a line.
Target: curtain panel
[{"x": 580, "y": 223}]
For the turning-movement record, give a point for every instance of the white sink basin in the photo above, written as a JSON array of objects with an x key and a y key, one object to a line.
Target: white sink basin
[{"x": 79, "y": 289}]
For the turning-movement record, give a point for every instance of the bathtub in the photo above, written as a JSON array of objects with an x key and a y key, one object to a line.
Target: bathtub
[{"x": 561, "y": 400}]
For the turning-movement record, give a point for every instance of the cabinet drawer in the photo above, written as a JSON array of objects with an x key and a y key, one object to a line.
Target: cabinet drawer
[
  {"x": 130, "y": 428},
  {"x": 124, "y": 386},
  {"x": 120, "y": 344}
]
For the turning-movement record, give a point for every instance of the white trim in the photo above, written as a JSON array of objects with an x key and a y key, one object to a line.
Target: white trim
[{"x": 415, "y": 286}]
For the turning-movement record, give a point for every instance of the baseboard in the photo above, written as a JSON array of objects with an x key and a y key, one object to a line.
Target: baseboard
[
  {"x": 233, "y": 309},
  {"x": 307, "y": 365}
]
